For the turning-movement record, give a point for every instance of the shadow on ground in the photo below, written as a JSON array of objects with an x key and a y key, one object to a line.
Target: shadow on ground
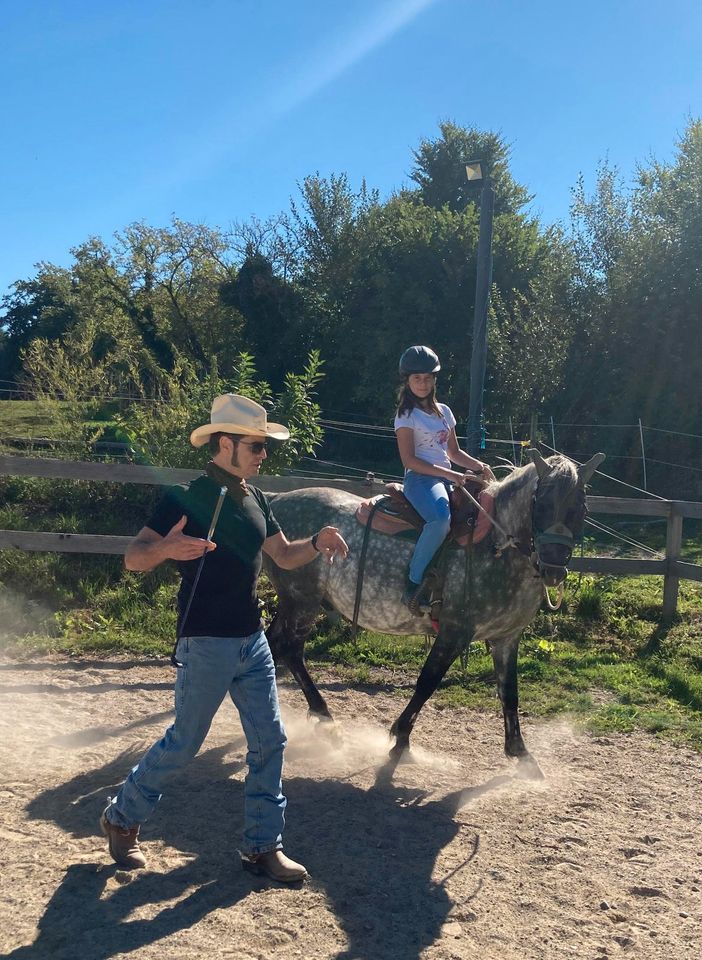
[{"x": 371, "y": 852}]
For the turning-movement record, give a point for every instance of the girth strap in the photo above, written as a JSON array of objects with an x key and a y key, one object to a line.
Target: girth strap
[{"x": 362, "y": 568}]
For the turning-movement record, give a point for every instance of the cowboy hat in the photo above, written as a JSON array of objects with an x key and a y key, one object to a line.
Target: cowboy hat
[{"x": 234, "y": 414}]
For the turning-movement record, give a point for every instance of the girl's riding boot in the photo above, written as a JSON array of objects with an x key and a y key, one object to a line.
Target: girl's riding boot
[{"x": 416, "y": 598}]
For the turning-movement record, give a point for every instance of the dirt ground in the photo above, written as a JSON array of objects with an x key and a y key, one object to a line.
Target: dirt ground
[{"x": 451, "y": 856}]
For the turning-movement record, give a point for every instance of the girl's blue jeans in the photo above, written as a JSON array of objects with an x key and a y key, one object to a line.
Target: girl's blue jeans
[
  {"x": 430, "y": 498},
  {"x": 213, "y": 667}
]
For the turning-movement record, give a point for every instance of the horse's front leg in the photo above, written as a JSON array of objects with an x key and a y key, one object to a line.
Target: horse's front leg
[
  {"x": 287, "y": 635},
  {"x": 504, "y": 656},
  {"x": 445, "y": 650}
]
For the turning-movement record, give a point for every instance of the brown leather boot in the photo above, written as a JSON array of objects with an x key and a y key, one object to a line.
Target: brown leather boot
[
  {"x": 274, "y": 865},
  {"x": 124, "y": 845}
]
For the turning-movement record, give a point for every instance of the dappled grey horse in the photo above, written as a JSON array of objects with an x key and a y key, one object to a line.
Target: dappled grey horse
[{"x": 491, "y": 590}]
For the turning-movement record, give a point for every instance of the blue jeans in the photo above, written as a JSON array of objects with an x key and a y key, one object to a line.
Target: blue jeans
[
  {"x": 429, "y": 497},
  {"x": 213, "y": 666}
]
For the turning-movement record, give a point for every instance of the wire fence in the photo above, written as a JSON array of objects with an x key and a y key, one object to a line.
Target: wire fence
[{"x": 350, "y": 440}]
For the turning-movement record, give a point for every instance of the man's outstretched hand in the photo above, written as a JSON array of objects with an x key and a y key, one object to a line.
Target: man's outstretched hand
[
  {"x": 331, "y": 544},
  {"x": 178, "y": 546}
]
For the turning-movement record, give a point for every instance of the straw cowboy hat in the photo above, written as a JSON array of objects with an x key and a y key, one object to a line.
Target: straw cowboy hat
[{"x": 234, "y": 414}]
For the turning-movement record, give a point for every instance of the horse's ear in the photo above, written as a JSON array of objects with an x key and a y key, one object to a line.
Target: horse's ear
[
  {"x": 542, "y": 468},
  {"x": 586, "y": 470}
]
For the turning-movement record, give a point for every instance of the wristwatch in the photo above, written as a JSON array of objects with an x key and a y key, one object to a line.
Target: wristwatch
[{"x": 313, "y": 541}]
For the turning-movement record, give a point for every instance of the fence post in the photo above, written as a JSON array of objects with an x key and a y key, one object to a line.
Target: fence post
[
  {"x": 514, "y": 445},
  {"x": 643, "y": 455},
  {"x": 673, "y": 542}
]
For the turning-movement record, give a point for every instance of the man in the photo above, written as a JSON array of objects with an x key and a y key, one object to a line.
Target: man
[{"x": 221, "y": 645}]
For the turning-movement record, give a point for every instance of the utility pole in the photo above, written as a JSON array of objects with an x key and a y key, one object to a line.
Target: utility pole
[{"x": 483, "y": 282}]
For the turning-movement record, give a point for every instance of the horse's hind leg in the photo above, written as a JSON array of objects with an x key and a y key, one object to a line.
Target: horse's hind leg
[
  {"x": 286, "y": 636},
  {"x": 504, "y": 656},
  {"x": 445, "y": 650}
]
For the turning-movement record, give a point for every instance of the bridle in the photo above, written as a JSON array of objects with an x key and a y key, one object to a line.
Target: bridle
[
  {"x": 556, "y": 533},
  {"x": 538, "y": 538}
]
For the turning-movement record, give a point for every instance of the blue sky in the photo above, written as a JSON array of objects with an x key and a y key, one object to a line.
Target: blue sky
[{"x": 213, "y": 110}]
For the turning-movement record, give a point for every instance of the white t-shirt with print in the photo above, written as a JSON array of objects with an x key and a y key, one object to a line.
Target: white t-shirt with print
[{"x": 431, "y": 433}]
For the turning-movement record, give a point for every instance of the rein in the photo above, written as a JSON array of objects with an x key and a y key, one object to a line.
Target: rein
[
  {"x": 362, "y": 569},
  {"x": 551, "y": 604},
  {"x": 510, "y": 540},
  {"x": 539, "y": 538}
]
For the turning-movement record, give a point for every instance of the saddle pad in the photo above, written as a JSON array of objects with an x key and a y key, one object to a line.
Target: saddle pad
[
  {"x": 483, "y": 526},
  {"x": 387, "y": 522},
  {"x": 383, "y": 521}
]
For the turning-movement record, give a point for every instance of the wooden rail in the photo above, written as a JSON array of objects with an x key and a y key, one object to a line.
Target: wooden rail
[{"x": 672, "y": 569}]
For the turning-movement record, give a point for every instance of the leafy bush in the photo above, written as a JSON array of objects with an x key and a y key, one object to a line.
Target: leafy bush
[{"x": 160, "y": 431}]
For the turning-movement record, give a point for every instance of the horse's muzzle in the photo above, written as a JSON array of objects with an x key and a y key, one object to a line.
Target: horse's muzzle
[
  {"x": 552, "y": 576},
  {"x": 553, "y": 561}
]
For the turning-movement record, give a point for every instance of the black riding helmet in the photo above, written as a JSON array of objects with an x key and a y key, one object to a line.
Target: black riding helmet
[{"x": 419, "y": 360}]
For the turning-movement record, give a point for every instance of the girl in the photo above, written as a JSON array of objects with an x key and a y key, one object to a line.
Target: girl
[{"x": 426, "y": 438}]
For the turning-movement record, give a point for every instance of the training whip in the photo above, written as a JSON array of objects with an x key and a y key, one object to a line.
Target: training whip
[{"x": 210, "y": 534}]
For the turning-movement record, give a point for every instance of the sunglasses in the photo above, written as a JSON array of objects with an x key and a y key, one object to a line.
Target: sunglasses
[{"x": 258, "y": 446}]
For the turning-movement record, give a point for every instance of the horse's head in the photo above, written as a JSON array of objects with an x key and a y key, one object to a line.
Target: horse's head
[{"x": 558, "y": 513}]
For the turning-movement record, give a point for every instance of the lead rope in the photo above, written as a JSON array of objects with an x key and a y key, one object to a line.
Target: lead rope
[{"x": 559, "y": 596}]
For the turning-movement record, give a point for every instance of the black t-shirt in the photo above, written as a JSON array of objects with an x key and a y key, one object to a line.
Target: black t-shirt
[{"x": 225, "y": 602}]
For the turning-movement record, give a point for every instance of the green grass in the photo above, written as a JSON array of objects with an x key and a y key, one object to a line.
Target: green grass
[
  {"x": 30, "y": 419},
  {"x": 25, "y": 418},
  {"x": 606, "y": 660},
  {"x": 621, "y": 671}
]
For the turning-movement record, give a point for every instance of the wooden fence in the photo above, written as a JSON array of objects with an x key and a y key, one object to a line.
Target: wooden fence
[{"x": 671, "y": 568}]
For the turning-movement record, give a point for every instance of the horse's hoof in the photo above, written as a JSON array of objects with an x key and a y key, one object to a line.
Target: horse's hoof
[
  {"x": 328, "y": 729},
  {"x": 320, "y": 718},
  {"x": 528, "y": 768},
  {"x": 401, "y": 754}
]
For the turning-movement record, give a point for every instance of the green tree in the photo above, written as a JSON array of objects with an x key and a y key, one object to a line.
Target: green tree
[
  {"x": 44, "y": 306},
  {"x": 639, "y": 304},
  {"x": 272, "y": 309},
  {"x": 159, "y": 287},
  {"x": 160, "y": 431},
  {"x": 167, "y": 282},
  {"x": 440, "y": 171},
  {"x": 379, "y": 276}
]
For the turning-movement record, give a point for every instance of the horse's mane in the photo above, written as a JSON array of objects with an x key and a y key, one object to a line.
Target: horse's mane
[
  {"x": 562, "y": 469},
  {"x": 517, "y": 478}
]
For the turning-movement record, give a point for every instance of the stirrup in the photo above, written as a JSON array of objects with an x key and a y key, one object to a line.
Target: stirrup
[{"x": 415, "y": 599}]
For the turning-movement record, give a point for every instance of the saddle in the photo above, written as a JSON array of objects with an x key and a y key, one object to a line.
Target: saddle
[{"x": 391, "y": 512}]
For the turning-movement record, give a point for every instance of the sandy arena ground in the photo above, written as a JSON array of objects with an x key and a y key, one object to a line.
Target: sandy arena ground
[{"x": 451, "y": 856}]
